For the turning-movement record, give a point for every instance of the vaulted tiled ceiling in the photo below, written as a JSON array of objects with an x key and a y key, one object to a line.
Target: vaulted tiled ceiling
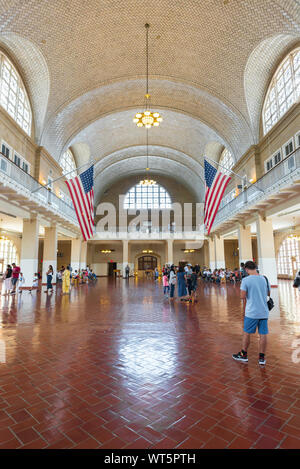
[{"x": 83, "y": 62}]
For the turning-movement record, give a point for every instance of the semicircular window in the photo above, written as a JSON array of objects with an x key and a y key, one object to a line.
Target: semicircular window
[
  {"x": 146, "y": 197},
  {"x": 13, "y": 96},
  {"x": 68, "y": 165},
  {"x": 284, "y": 90}
]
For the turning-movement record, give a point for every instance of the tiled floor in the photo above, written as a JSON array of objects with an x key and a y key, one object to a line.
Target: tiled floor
[{"x": 117, "y": 366}]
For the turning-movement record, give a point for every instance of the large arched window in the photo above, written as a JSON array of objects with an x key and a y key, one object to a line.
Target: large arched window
[
  {"x": 13, "y": 96},
  {"x": 146, "y": 197},
  {"x": 283, "y": 91},
  {"x": 8, "y": 253},
  {"x": 68, "y": 165},
  {"x": 288, "y": 257},
  {"x": 226, "y": 161}
]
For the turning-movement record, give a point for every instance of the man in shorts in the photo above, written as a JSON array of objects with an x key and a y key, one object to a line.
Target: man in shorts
[
  {"x": 15, "y": 277},
  {"x": 255, "y": 289}
]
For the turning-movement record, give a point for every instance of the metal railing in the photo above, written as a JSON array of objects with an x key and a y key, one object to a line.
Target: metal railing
[
  {"x": 282, "y": 175},
  {"x": 15, "y": 176}
]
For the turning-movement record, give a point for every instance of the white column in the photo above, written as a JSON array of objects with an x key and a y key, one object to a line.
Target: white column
[
  {"x": 125, "y": 255},
  {"x": 75, "y": 253},
  {"x": 212, "y": 253},
  {"x": 29, "y": 250},
  {"x": 266, "y": 249},
  {"x": 245, "y": 243},
  {"x": 169, "y": 250},
  {"x": 83, "y": 255},
  {"x": 50, "y": 252},
  {"x": 219, "y": 252}
]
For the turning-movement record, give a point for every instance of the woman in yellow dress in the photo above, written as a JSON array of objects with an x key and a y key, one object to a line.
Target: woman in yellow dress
[{"x": 66, "y": 280}]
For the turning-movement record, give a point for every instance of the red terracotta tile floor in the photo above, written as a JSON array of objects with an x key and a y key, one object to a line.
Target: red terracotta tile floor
[{"x": 115, "y": 365}]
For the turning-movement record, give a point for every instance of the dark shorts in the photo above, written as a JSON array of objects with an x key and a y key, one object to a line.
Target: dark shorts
[
  {"x": 250, "y": 326},
  {"x": 14, "y": 281}
]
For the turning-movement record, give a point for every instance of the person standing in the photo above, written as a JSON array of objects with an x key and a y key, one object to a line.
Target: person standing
[
  {"x": 49, "y": 274},
  {"x": 255, "y": 289},
  {"x": 296, "y": 283},
  {"x": 127, "y": 270},
  {"x": 7, "y": 279},
  {"x": 15, "y": 277},
  {"x": 172, "y": 282},
  {"x": 66, "y": 280},
  {"x": 181, "y": 282},
  {"x": 166, "y": 284},
  {"x": 194, "y": 284}
]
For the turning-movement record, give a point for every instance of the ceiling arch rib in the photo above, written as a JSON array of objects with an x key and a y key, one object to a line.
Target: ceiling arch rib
[
  {"x": 120, "y": 96},
  {"x": 34, "y": 72},
  {"x": 165, "y": 153},
  {"x": 262, "y": 62},
  {"x": 159, "y": 167}
]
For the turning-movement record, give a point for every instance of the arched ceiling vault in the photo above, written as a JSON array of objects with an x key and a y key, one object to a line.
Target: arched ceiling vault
[
  {"x": 177, "y": 131},
  {"x": 158, "y": 167},
  {"x": 210, "y": 63}
]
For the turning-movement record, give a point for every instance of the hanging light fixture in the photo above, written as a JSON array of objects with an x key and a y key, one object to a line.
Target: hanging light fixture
[
  {"x": 147, "y": 181},
  {"x": 147, "y": 118}
]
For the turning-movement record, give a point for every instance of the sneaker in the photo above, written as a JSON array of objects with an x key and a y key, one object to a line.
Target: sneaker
[
  {"x": 262, "y": 361},
  {"x": 240, "y": 357}
]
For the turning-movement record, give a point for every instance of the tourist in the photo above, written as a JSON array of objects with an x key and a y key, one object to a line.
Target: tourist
[
  {"x": 15, "y": 277},
  {"x": 66, "y": 280},
  {"x": 166, "y": 283},
  {"x": 296, "y": 283},
  {"x": 194, "y": 278},
  {"x": 75, "y": 277},
  {"x": 35, "y": 283},
  {"x": 49, "y": 274},
  {"x": 7, "y": 279},
  {"x": 181, "y": 284},
  {"x": 255, "y": 289},
  {"x": 172, "y": 282},
  {"x": 127, "y": 270},
  {"x": 188, "y": 276},
  {"x": 243, "y": 270},
  {"x": 156, "y": 274},
  {"x": 21, "y": 282}
]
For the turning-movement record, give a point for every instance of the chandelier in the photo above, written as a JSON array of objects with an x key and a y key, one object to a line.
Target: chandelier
[{"x": 147, "y": 118}]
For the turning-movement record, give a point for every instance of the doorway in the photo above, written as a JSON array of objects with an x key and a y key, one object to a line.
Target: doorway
[
  {"x": 147, "y": 263},
  {"x": 111, "y": 267}
]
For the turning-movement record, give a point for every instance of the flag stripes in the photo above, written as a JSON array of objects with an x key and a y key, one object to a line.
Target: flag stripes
[
  {"x": 216, "y": 183},
  {"x": 81, "y": 190}
]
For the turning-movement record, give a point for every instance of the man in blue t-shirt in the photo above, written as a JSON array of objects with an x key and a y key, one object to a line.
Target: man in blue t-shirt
[{"x": 255, "y": 289}]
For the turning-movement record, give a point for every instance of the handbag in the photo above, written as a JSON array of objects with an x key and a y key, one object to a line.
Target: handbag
[{"x": 270, "y": 301}]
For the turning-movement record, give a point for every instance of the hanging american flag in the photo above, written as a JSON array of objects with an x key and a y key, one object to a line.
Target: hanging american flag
[
  {"x": 82, "y": 194},
  {"x": 215, "y": 183}
]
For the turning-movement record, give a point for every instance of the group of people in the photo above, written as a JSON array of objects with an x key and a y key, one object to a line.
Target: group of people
[
  {"x": 224, "y": 275},
  {"x": 184, "y": 277},
  {"x": 14, "y": 279}
]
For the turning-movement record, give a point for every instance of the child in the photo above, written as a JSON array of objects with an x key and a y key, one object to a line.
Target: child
[
  {"x": 35, "y": 283},
  {"x": 166, "y": 284},
  {"x": 75, "y": 278},
  {"x": 21, "y": 282}
]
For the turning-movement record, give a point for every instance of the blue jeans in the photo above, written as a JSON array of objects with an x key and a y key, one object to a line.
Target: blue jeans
[
  {"x": 166, "y": 289},
  {"x": 172, "y": 291}
]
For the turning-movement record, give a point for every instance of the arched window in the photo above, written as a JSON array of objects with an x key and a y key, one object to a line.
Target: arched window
[
  {"x": 67, "y": 163},
  {"x": 226, "y": 161},
  {"x": 13, "y": 96},
  {"x": 288, "y": 257},
  {"x": 283, "y": 91},
  {"x": 146, "y": 197},
  {"x": 8, "y": 253}
]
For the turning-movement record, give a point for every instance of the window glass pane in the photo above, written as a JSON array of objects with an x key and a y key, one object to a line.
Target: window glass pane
[
  {"x": 13, "y": 94},
  {"x": 287, "y": 84},
  {"x": 68, "y": 165},
  {"x": 147, "y": 197}
]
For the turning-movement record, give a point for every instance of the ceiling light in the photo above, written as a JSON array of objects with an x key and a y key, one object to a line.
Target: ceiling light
[{"x": 147, "y": 118}]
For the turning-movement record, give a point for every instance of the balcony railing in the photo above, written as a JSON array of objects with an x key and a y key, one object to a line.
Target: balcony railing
[
  {"x": 14, "y": 175},
  {"x": 282, "y": 175}
]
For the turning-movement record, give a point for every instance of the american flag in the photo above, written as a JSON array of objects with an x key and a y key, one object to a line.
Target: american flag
[
  {"x": 215, "y": 183},
  {"x": 82, "y": 194}
]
